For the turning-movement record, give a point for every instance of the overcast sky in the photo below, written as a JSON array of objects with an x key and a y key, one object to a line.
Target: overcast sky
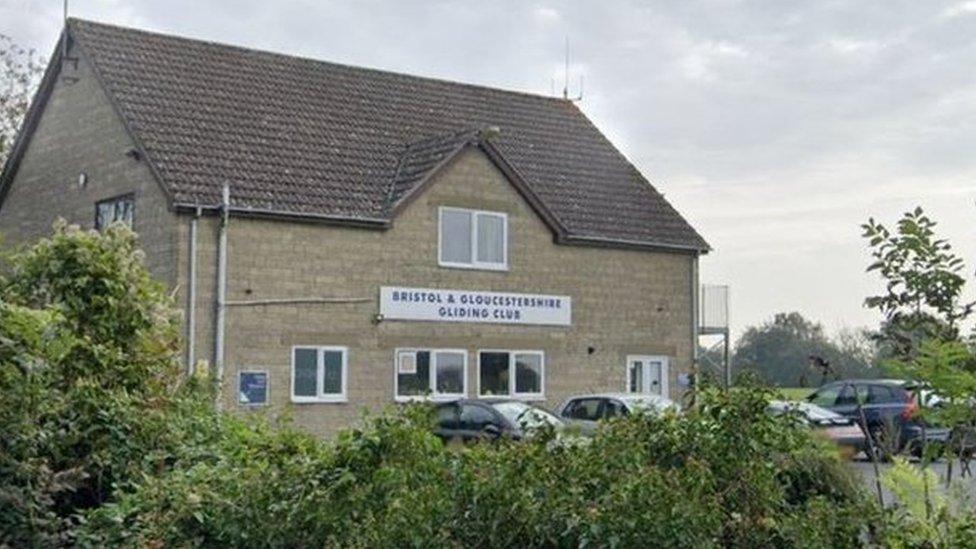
[{"x": 775, "y": 127}]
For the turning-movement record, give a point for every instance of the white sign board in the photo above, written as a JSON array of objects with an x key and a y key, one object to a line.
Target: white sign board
[{"x": 397, "y": 303}]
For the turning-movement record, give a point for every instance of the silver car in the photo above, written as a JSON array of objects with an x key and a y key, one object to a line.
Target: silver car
[{"x": 585, "y": 411}]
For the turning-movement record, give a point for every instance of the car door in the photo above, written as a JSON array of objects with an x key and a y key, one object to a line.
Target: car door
[
  {"x": 847, "y": 403},
  {"x": 613, "y": 408},
  {"x": 826, "y": 396},
  {"x": 584, "y": 413},
  {"x": 447, "y": 422},
  {"x": 478, "y": 422},
  {"x": 885, "y": 404}
]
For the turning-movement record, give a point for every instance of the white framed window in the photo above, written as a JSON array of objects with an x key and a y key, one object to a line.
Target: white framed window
[
  {"x": 252, "y": 387},
  {"x": 647, "y": 375},
  {"x": 518, "y": 374},
  {"x": 438, "y": 374},
  {"x": 318, "y": 374},
  {"x": 472, "y": 239}
]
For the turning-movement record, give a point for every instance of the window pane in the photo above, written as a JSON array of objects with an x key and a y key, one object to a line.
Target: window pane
[
  {"x": 848, "y": 396},
  {"x": 252, "y": 388},
  {"x": 826, "y": 397},
  {"x": 528, "y": 373},
  {"x": 447, "y": 416},
  {"x": 105, "y": 211},
  {"x": 417, "y": 384},
  {"x": 455, "y": 236},
  {"x": 450, "y": 373},
  {"x": 306, "y": 364},
  {"x": 586, "y": 409},
  {"x": 491, "y": 238},
  {"x": 494, "y": 373},
  {"x": 124, "y": 210},
  {"x": 636, "y": 377},
  {"x": 332, "y": 372}
]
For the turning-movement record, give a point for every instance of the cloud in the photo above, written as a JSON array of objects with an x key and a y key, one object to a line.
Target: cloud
[
  {"x": 775, "y": 127},
  {"x": 960, "y": 9}
]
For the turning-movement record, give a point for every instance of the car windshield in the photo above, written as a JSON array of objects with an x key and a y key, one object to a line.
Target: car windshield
[{"x": 525, "y": 415}]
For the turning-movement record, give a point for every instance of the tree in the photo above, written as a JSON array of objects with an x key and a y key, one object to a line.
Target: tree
[
  {"x": 20, "y": 71},
  {"x": 793, "y": 351},
  {"x": 923, "y": 285},
  {"x": 90, "y": 378}
]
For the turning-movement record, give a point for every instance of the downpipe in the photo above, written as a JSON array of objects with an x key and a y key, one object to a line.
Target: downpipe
[{"x": 221, "y": 301}]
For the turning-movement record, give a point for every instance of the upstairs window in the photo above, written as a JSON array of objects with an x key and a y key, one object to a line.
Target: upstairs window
[
  {"x": 473, "y": 239},
  {"x": 119, "y": 208}
]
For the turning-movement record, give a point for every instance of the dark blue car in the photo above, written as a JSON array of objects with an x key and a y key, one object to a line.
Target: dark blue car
[{"x": 890, "y": 412}]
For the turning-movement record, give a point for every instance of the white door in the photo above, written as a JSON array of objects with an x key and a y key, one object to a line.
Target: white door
[{"x": 647, "y": 375}]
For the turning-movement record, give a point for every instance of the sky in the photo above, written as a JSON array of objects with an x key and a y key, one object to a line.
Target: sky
[{"x": 776, "y": 128}]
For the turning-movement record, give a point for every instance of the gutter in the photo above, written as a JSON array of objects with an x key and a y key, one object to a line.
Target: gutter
[
  {"x": 635, "y": 244},
  {"x": 365, "y": 222}
]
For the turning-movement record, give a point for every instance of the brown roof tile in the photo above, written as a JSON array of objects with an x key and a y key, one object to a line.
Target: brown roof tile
[{"x": 302, "y": 137}]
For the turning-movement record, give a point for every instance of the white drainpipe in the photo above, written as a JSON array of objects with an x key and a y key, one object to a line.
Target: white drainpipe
[
  {"x": 221, "y": 293},
  {"x": 695, "y": 311},
  {"x": 191, "y": 298}
]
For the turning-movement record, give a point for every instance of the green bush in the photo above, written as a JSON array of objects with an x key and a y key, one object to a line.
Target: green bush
[
  {"x": 725, "y": 474},
  {"x": 105, "y": 443},
  {"x": 92, "y": 396}
]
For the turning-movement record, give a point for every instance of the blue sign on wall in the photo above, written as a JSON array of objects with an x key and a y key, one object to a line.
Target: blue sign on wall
[{"x": 253, "y": 388}]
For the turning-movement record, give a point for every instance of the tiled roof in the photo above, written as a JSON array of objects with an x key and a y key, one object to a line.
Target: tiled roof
[
  {"x": 420, "y": 158},
  {"x": 302, "y": 137}
]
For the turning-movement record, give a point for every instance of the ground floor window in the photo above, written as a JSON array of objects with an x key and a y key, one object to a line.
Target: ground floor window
[
  {"x": 431, "y": 373},
  {"x": 511, "y": 373},
  {"x": 318, "y": 374}
]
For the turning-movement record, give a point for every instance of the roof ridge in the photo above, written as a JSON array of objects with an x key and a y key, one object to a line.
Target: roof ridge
[{"x": 75, "y": 20}]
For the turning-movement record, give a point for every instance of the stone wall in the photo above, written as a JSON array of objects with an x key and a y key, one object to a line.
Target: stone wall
[
  {"x": 624, "y": 302},
  {"x": 79, "y": 132}
]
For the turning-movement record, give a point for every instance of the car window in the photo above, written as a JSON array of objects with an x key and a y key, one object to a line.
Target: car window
[
  {"x": 880, "y": 394},
  {"x": 826, "y": 396},
  {"x": 847, "y": 396},
  {"x": 476, "y": 418},
  {"x": 447, "y": 416},
  {"x": 614, "y": 408},
  {"x": 584, "y": 408}
]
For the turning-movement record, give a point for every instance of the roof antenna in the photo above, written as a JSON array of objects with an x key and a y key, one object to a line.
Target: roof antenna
[
  {"x": 565, "y": 74},
  {"x": 566, "y": 79}
]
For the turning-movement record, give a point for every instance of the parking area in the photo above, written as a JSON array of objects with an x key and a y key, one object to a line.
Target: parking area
[{"x": 966, "y": 482}]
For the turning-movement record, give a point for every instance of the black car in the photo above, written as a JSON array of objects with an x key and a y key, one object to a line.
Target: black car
[
  {"x": 488, "y": 419},
  {"x": 890, "y": 412}
]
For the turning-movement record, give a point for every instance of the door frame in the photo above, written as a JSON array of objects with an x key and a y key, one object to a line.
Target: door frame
[{"x": 665, "y": 371}]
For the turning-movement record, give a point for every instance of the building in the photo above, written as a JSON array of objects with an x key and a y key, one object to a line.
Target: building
[{"x": 384, "y": 237}]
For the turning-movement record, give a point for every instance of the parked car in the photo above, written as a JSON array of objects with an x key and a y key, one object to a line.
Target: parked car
[
  {"x": 890, "y": 408},
  {"x": 585, "y": 411},
  {"x": 469, "y": 420},
  {"x": 843, "y": 431}
]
